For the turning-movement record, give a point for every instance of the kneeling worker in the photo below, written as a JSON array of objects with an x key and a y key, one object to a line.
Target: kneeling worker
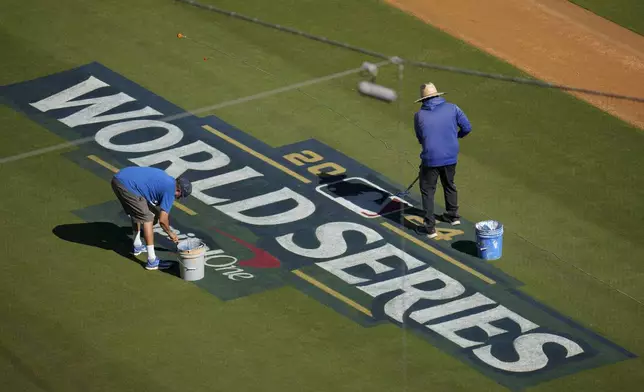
[{"x": 142, "y": 190}]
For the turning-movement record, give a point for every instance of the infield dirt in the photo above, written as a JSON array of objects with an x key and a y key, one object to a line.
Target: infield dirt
[{"x": 553, "y": 40}]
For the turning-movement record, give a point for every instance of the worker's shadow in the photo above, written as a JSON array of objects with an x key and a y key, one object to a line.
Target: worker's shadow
[
  {"x": 105, "y": 235},
  {"x": 337, "y": 186},
  {"x": 409, "y": 217},
  {"x": 325, "y": 178}
]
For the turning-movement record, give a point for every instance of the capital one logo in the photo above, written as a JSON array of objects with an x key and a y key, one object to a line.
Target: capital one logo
[{"x": 230, "y": 266}]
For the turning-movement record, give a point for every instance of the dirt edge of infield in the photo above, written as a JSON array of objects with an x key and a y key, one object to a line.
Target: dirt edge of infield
[{"x": 553, "y": 40}]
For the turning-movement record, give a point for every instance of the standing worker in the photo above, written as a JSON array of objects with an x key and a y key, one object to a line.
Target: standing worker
[
  {"x": 142, "y": 190},
  {"x": 438, "y": 124}
]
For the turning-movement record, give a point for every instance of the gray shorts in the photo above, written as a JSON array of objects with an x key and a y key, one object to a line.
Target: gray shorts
[{"x": 137, "y": 207}]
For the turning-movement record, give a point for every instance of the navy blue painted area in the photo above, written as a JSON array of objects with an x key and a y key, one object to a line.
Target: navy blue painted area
[
  {"x": 356, "y": 169},
  {"x": 570, "y": 322},
  {"x": 355, "y": 193},
  {"x": 30, "y": 91},
  {"x": 214, "y": 281}
]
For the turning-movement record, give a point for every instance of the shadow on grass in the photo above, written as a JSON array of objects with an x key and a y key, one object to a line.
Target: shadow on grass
[
  {"x": 391, "y": 210},
  {"x": 398, "y": 214},
  {"x": 108, "y": 236},
  {"x": 22, "y": 367},
  {"x": 359, "y": 193},
  {"x": 468, "y": 247},
  {"x": 327, "y": 178}
]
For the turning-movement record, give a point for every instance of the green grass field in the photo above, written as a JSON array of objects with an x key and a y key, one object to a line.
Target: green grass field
[
  {"x": 627, "y": 13},
  {"x": 563, "y": 176}
]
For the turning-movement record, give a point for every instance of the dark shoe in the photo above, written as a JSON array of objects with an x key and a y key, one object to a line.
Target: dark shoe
[
  {"x": 450, "y": 219},
  {"x": 424, "y": 230}
]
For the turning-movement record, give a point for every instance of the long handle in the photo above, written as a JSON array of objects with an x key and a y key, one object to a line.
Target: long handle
[
  {"x": 406, "y": 191},
  {"x": 413, "y": 183}
]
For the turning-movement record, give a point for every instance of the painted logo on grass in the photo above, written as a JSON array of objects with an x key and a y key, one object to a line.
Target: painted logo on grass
[{"x": 308, "y": 216}]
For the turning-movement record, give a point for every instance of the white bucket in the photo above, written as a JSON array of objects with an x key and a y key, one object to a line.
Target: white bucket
[{"x": 192, "y": 254}]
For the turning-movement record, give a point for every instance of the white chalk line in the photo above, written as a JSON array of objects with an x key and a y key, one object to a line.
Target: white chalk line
[
  {"x": 221, "y": 105},
  {"x": 45, "y": 150}
]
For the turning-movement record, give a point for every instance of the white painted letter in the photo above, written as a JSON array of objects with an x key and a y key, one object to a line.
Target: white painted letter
[
  {"x": 481, "y": 320},
  {"x": 530, "y": 350},
  {"x": 178, "y": 165},
  {"x": 473, "y": 301},
  {"x": 106, "y": 134},
  {"x": 397, "y": 306},
  {"x": 217, "y": 255},
  {"x": 332, "y": 243},
  {"x": 99, "y": 105},
  {"x": 198, "y": 187},
  {"x": 369, "y": 258},
  {"x": 303, "y": 209}
]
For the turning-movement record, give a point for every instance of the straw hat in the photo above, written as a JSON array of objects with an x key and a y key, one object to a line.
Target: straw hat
[{"x": 428, "y": 90}]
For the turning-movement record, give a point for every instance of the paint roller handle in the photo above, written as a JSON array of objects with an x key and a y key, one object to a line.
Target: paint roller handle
[
  {"x": 413, "y": 183},
  {"x": 406, "y": 191}
]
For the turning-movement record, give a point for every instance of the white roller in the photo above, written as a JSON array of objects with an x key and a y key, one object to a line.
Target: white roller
[{"x": 377, "y": 91}]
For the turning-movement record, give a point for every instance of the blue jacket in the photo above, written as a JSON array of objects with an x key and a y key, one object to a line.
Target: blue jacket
[{"x": 437, "y": 126}]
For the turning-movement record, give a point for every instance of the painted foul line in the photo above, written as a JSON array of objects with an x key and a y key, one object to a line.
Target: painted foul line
[
  {"x": 114, "y": 169},
  {"x": 387, "y": 225},
  {"x": 101, "y": 162},
  {"x": 438, "y": 253},
  {"x": 333, "y": 293},
  {"x": 256, "y": 154},
  {"x": 45, "y": 150},
  {"x": 301, "y": 274},
  {"x": 266, "y": 159}
]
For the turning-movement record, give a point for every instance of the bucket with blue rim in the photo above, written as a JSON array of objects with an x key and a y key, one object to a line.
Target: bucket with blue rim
[{"x": 489, "y": 239}]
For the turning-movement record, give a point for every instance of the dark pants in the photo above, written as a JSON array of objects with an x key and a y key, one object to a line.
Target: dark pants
[{"x": 428, "y": 179}]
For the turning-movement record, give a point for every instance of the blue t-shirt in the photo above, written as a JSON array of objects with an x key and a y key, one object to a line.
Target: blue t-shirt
[{"x": 155, "y": 185}]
